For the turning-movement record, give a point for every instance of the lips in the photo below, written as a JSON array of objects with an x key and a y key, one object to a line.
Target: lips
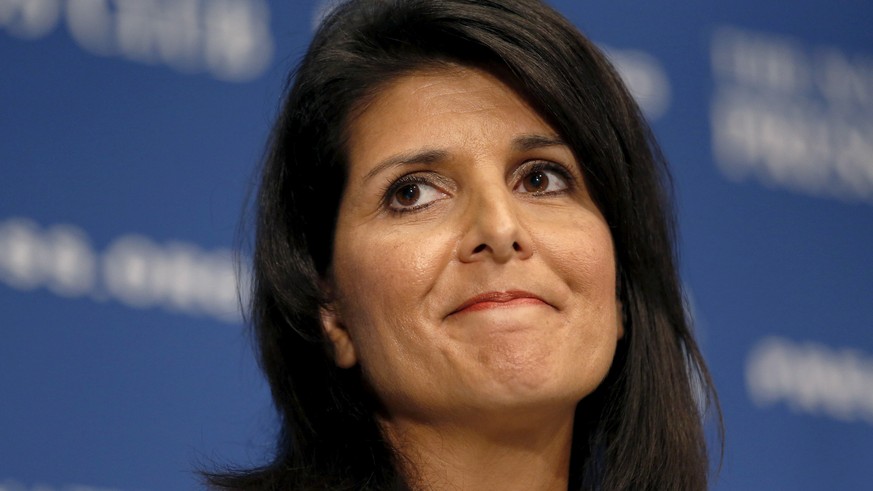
[{"x": 493, "y": 300}]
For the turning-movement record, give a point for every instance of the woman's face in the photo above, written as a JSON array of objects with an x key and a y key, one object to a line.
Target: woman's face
[{"x": 471, "y": 271}]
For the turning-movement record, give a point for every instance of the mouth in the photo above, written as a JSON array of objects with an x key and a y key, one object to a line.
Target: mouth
[{"x": 497, "y": 300}]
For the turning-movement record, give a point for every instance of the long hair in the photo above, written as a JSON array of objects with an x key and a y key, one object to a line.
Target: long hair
[{"x": 643, "y": 427}]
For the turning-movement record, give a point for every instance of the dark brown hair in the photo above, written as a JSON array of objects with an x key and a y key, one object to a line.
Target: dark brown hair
[{"x": 643, "y": 427}]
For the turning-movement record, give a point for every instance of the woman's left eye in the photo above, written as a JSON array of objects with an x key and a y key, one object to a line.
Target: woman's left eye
[{"x": 543, "y": 180}]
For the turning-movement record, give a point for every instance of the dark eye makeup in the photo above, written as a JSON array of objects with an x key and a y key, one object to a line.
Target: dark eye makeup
[{"x": 416, "y": 191}]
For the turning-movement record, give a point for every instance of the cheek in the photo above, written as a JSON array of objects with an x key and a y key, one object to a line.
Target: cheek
[
  {"x": 385, "y": 272},
  {"x": 382, "y": 280},
  {"x": 585, "y": 259}
]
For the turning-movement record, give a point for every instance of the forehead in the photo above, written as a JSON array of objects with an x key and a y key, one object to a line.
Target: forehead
[{"x": 446, "y": 106}]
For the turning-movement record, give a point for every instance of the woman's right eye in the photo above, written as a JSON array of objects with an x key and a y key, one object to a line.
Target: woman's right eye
[{"x": 413, "y": 195}]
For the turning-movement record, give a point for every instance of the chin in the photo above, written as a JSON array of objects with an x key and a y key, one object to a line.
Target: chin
[{"x": 532, "y": 389}]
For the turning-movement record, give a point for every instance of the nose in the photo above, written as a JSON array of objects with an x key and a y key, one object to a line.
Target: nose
[{"x": 494, "y": 230}]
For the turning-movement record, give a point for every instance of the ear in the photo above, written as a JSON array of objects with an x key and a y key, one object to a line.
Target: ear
[{"x": 344, "y": 354}]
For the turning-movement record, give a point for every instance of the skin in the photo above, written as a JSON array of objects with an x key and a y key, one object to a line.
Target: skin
[{"x": 458, "y": 188}]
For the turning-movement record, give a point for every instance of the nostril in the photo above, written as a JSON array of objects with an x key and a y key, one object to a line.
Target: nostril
[
  {"x": 516, "y": 247},
  {"x": 479, "y": 248}
]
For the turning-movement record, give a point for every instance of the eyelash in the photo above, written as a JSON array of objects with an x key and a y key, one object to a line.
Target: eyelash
[
  {"x": 394, "y": 186},
  {"x": 542, "y": 165},
  {"x": 537, "y": 166}
]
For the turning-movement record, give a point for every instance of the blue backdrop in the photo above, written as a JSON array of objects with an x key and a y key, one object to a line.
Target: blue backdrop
[{"x": 129, "y": 131}]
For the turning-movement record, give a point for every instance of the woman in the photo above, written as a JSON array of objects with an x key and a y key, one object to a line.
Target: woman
[{"x": 464, "y": 273}]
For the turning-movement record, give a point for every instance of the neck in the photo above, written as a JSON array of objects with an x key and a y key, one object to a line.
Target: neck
[{"x": 530, "y": 455}]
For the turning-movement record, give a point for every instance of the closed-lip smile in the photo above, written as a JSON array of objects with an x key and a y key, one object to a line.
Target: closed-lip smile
[{"x": 493, "y": 300}]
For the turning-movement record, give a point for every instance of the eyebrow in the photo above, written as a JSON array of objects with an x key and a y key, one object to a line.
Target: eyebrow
[
  {"x": 427, "y": 157},
  {"x": 522, "y": 143}
]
